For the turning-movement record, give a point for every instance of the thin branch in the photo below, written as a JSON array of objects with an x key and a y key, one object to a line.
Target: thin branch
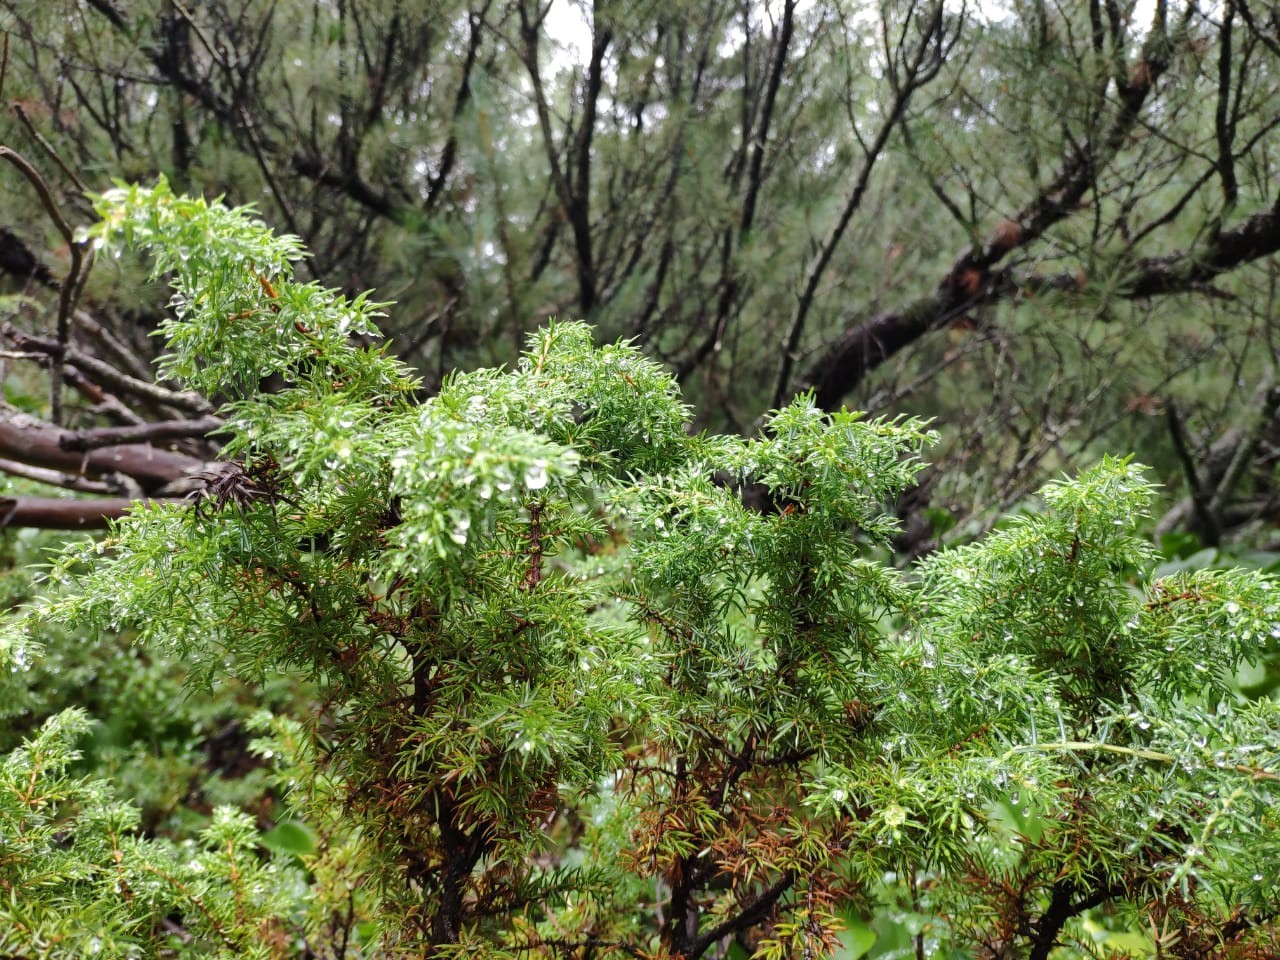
[
  {"x": 782, "y": 48},
  {"x": 1224, "y": 126},
  {"x": 70, "y": 287},
  {"x": 53, "y": 155},
  {"x": 96, "y": 438},
  {"x": 572, "y": 187},
  {"x": 308, "y": 165},
  {"x": 1088, "y": 746},
  {"x": 88, "y": 326},
  {"x": 917, "y": 76},
  {"x": 1268, "y": 41},
  {"x": 56, "y": 478},
  {"x": 112, "y": 13},
  {"x": 123, "y": 382},
  {"x": 448, "y": 156},
  {"x": 1199, "y": 499},
  {"x": 729, "y": 284},
  {"x": 1264, "y": 401},
  {"x": 755, "y": 910}
]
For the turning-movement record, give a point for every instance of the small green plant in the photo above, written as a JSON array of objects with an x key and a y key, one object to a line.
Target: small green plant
[{"x": 577, "y": 700}]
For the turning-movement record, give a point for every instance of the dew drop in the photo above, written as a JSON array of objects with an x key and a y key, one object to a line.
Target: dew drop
[
  {"x": 535, "y": 475},
  {"x": 461, "y": 524}
]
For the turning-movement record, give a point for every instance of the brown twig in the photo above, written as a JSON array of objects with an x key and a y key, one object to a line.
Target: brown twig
[
  {"x": 122, "y": 382},
  {"x": 56, "y": 478},
  {"x": 39, "y": 138},
  {"x": 1200, "y": 499},
  {"x": 99, "y": 437},
  {"x": 4, "y": 62},
  {"x": 70, "y": 288}
]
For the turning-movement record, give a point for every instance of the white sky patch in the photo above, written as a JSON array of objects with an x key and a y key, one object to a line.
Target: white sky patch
[
  {"x": 568, "y": 25},
  {"x": 568, "y": 22}
]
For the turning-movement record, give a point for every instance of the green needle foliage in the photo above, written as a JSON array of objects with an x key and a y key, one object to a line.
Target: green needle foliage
[
  {"x": 77, "y": 881},
  {"x": 577, "y": 699}
]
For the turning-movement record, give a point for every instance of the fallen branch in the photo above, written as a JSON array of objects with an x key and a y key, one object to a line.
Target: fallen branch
[
  {"x": 53, "y": 513},
  {"x": 29, "y": 440},
  {"x": 56, "y": 478},
  {"x": 99, "y": 437},
  {"x": 109, "y": 375}
]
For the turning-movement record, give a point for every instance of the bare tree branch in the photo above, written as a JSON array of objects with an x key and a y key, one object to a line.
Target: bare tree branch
[
  {"x": 122, "y": 382},
  {"x": 52, "y": 513},
  {"x": 475, "y": 21},
  {"x": 56, "y": 478},
  {"x": 70, "y": 286},
  {"x": 99, "y": 437},
  {"x": 841, "y": 366},
  {"x": 28, "y": 440},
  {"x": 730, "y": 284},
  {"x": 752, "y": 912},
  {"x": 932, "y": 44}
]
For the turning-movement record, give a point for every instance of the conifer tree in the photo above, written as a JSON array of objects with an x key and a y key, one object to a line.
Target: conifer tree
[{"x": 579, "y": 700}]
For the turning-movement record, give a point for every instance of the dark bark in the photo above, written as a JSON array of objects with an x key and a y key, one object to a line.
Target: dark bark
[
  {"x": 18, "y": 261},
  {"x": 579, "y": 208},
  {"x": 54, "y": 513},
  {"x": 842, "y": 365},
  {"x": 462, "y": 850},
  {"x": 1187, "y": 270},
  {"x": 752, "y": 912},
  {"x": 350, "y": 183},
  {"x": 845, "y": 363},
  {"x": 1066, "y": 901}
]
